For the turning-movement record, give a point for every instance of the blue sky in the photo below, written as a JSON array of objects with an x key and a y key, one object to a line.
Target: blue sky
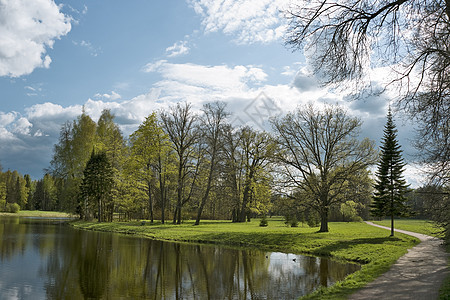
[{"x": 135, "y": 57}]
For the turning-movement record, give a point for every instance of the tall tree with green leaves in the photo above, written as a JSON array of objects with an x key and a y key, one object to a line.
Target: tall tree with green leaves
[
  {"x": 96, "y": 188},
  {"x": 109, "y": 139},
  {"x": 147, "y": 162},
  {"x": 70, "y": 155},
  {"x": 390, "y": 186}
]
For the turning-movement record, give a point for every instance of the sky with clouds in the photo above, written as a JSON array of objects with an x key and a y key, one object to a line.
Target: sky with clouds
[{"x": 135, "y": 57}]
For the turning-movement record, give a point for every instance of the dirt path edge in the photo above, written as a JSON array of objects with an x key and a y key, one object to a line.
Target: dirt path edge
[{"x": 416, "y": 275}]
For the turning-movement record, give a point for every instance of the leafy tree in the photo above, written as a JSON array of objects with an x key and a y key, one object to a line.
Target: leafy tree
[
  {"x": 319, "y": 152},
  {"x": 390, "y": 186},
  {"x": 109, "y": 139},
  {"x": 30, "y": 187},
  {"x": 436, "y": 203},
  {"x": 70, "y": 155},
  {"x": 2, "y": 187},
  {"x": 147, "y": 163},
  {"x": 356, "y": 198},
  {"x": 254, "y": 151},
  {"x": 96, "y": 188},
  {"x": 45, "y": 195}
]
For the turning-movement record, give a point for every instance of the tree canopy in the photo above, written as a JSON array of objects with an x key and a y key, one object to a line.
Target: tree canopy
[{"x": 319, "y": 152}]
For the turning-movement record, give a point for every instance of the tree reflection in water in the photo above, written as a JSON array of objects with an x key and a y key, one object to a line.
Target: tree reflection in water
[{"x": 92, "y": 265}]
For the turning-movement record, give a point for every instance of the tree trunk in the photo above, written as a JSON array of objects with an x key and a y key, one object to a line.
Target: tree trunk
[
  {"x": 175, "y": 214},
  {"x": 324, "y": 220},
  {"x": 150, "y": 201},
  {"x": 179, "y": 215},
  {"x": 99, "y": 210},
  {"x": 163, "y": 202},
  {"x": 392, "y": 224},
  {"x": 208, "y": 188},
  {"x": 243, "y": 212},
  {"x": 245, "y": 198},
  {"x": 392, "y": 206}
]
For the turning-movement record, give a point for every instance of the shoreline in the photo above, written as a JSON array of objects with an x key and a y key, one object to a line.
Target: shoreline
[
  {"x": 38, "y": 213},
  {"x": 350, "y": 242}
]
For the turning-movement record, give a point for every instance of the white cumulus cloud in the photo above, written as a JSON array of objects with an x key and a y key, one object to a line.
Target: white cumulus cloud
[
  {"x": 27, "y": 30},
  {"x": 197, "y": 77},
  {"x": 112, "y": 96},
  {"x": 250, "y": 20},
  {"x": 22, "y": 126},
  {"x": 177, "y": 49}
]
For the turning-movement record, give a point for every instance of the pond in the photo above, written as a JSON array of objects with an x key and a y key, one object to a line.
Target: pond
[{"x": 47, "y": 259}]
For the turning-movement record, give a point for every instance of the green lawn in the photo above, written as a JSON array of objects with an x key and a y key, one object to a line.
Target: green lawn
[
  {"x": 37, "y": 213},
  {"x": 419, "y": 226},
  {"x": 357, "y": 242}
]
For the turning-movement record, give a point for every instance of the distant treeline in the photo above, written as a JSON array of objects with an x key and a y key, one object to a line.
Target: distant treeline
[{"x": 184, "y": 165}]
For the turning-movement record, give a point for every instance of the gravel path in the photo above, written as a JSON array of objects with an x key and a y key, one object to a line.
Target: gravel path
[{"x": 416, "y": 275}]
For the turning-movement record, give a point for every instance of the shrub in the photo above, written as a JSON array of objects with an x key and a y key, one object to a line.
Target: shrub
[
  {"x": 2, "y": 205},
  {"x": 263, "y": 222},
  {"x": 12, "y": 207},
  {"x": 291, "y": 220},
  {"x": 294, "y": 222}
]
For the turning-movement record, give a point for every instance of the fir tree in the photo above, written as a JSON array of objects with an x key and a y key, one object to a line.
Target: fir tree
[
  {"x": 96, "y": 188},
  {"x": 390, "y": 186}
]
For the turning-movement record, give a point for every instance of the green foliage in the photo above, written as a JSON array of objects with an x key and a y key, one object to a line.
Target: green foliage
[
  {"x": 3, "y": 205},
  {"x": 349, "y": 211},
  {"x": 70, "y": 155},
  {"x": 291, "y": 220},
  {"x": 263, "y": 222},
  {"x": 96, "y": 187},
  {"x": 252, "y": 178},
  {"x": 147, "y": 167},
  {"x": 13, "y": 189},
  {"x": 12, "y": 208},
  {"x": 313, "y": 219},
  {"x": 45, "y": 194}
]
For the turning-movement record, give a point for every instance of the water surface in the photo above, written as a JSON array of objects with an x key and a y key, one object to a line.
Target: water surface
[{"x": 46, "y": 259}]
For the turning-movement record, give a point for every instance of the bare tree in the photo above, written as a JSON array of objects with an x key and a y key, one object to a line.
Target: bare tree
[
  {"x": 180, "y": 125},
  {"x": 347, "y": 38},
  {"x": 320, "y": 153},
  {"x": 212, "y": 126}
]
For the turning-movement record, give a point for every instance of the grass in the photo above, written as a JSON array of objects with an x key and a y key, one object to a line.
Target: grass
[
  {"x": 444, "y": 291},
  {"x": 419, "y": 226},
  {"x": 356, "y": 242},
  {"x": 37, "y": 213}
]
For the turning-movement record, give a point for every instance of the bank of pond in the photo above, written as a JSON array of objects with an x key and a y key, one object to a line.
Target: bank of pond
[{"x": 45, "y": 258}]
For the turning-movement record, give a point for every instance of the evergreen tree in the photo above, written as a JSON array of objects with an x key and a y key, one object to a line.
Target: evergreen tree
[
  {"x": 390, "y": 186},
  {"x": 96, "y": 188}
]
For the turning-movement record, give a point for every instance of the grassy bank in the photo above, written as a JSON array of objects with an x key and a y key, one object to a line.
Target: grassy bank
[
  {"x": 419, "y": 226},
  {"x": 357, "y": 242},
  {"x": 37, "y": 213}
]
